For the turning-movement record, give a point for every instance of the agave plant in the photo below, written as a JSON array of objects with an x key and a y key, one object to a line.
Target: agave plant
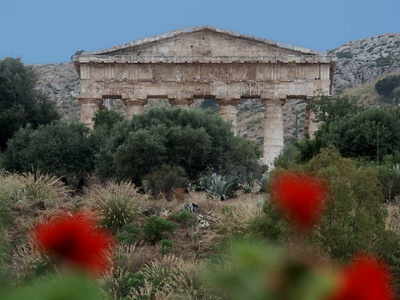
[
  {"x": 263, "y": 182},
  {"x": 218, "y": 187}
]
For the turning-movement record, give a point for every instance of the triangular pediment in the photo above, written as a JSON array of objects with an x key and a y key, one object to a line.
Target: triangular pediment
[{"x": 203, "y": 41}]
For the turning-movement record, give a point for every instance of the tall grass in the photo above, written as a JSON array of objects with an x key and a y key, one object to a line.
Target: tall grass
[{"x": 117, "y": 204}]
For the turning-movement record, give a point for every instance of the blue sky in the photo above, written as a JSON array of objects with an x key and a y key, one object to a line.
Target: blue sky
[{"x": 50, "y": 31}]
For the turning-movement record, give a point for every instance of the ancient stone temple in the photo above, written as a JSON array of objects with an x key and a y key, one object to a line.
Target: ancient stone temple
[{"x": 205, "y": 62}]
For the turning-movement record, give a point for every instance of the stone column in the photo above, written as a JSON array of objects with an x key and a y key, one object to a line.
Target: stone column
[
  {"x": 311, "y": 125},
  {"x": 134, "y": 106},
  {"x": 228, "y": 110},
  {"x": 89, "y": 106},
  {"x": 181, "y": 102},
  {"x": 273, "y": 130}
]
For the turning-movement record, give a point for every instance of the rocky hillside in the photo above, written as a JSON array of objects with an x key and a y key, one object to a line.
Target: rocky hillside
[
  {"x": 61, "y": 82},
  {"x": 364, "y": 60}
]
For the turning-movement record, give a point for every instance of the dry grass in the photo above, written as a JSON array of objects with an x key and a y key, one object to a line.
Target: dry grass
[
  {"x": 236, "y": 219},
  {"x": 178, "y": 278},
  {"x": 44, "y": 187},
  {"x": 30, "y": 187},
  {"x": 393, "y": 218},
  {"x": 117, "y": 204}
]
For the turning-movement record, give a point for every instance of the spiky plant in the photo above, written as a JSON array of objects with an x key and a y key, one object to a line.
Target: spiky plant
[
  {"x": 117, "y": 204},
  {"x": 218, "y": 187},
  {"x": 44, "y": 187}
]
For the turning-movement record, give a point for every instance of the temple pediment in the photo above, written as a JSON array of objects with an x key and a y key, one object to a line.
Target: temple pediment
[{"x": 200, "y": 42}]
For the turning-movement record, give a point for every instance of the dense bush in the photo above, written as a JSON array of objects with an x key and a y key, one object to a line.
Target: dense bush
[
  {"x": 64, "y": 149},
  {"x": 157, "y": 228},
  {"x": 192, "y": 139},
  {"x": 354, "y": 220},
  {"x": 20, "y": 102},
  {"x": 369, "y": 134},
  {"x": 165, "y": 180},
  {"x": 386, "y": 85},
  {"x": 355, "y": 217}
]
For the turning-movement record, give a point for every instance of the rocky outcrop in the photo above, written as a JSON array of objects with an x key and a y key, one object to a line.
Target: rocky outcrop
[
  {"x": 364, "y": 60},
  {"x": 61, "y": 83}
]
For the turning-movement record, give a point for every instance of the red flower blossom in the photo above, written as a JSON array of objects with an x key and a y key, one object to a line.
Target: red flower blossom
[
  {"x": 299, "y": 197},
  {"x": 75, "y": 240},
  {"x": 364, "y": 279}
]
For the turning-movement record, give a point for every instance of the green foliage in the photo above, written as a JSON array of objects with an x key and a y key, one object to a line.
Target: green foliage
[
  {"x": 107, "y": 118},
  {"x": 218, "y": 187},
  {"x": 344, "y": 54},
  {"x": 20, "y": 102},
  {"x": 355, "y": 216},
  {"x": 76, "y": 287},
  {"x": 156, "y": 228},
  {"x": 64, "y": 149},
  {"x": 184, "y": 217},
  {"x": 262, "y": 271},
  {"x": 385, "y": 86},
  {"x": 370, "y": 134},
  {"x": 263, "y": 183},
  {"x": 194, "y": 140},
  {"x": 128, "y": 234},
  {"x": 389, "y": 178},
  {"x": 166, "y": 246},
  {"x": 270, "y": 225},
  {"x": 211, "y": 105},
  {"x": 327, "y": 110},
  {"x": 289, "y": 156},
  {"x": 383, "y": 61},
  {"x": 165, "y": 180}
]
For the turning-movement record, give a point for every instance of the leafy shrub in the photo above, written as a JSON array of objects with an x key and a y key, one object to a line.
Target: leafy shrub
[
  {"x": 20, "y": 101},
  {"x": 368, "y": 134},
  {"x": 157, "y": 228},
  {"x": 63, "y": 149},
  {"x": 118, "y": 204},
  {"x": 389, "y": 178},
  {"x": 166, "y": 246},
  {"x": 165, "y": 180},
  {"x": 192, "y": 139},
  {"x": 185, "y": 217},
  {"x": 106, "y": 118},
  {"x": 270, "y": 224},
  {"x": 386, "y": 85},
  {"x": 128, "y": 234},
  {"x": 355, "y": 217},
  {"x": 344, "y": 54}
]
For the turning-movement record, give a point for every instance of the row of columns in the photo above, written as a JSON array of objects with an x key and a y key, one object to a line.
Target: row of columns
[{"x": 273, "y": 118}]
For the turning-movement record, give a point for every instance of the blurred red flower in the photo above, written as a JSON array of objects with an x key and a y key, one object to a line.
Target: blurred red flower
[
  {"x": 364, "y": 279},
  {"x": 75, "y": 239},
  {"x": 300, "y": 197}
]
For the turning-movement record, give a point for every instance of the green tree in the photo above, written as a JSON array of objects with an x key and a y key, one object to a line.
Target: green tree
[
  {"x": 194, "y": 140},
  {"x": 20, "y": 102},
  {"x": 385, "y": 86},
  {"x": 355, "y": 217},
  {"x": 66, "y": 150},
  {"x": 370, "y": 134}
]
